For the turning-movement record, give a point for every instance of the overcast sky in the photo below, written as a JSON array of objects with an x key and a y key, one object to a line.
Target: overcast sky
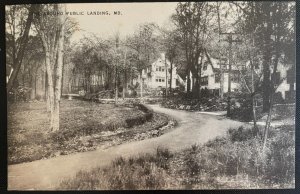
[{"x": 133, "y": 14}]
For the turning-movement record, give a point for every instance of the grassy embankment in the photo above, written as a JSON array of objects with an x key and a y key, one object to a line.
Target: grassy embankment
[{"x": 84, "y": 126}]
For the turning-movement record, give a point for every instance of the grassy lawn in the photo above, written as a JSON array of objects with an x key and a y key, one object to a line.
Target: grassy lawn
[
  {"x": 233, "y": 161},
  {"x": 84, "y": 126}
]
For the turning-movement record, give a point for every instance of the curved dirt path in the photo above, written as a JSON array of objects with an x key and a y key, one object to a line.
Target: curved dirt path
[{"x": 46, "y": 174}]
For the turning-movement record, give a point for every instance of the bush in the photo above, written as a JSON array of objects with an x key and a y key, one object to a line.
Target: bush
[
  {"x": 240, "y": 153},
  {"x": 140, "y": 119},
  {"x": 242, "y": 134},
  {"x": 19, "y": 94},
  {"x": 202, "y": 104}
]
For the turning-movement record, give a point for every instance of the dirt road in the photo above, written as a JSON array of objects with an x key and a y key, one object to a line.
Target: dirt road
[{"x": 46, "y": 174}]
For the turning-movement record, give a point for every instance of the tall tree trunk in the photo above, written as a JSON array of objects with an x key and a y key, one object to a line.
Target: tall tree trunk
[
  {"x": 268, "y": 123},
  {"x": 62, "y": 79},
  {"x": 200, "y": 71},
  {"x": 20, "y": 54},
  {"x": 272, "y": 90},
  {"x": 188, "y": 82},
  {"x": 221, "y": 67},
  {"x": 125, "y": 75},
  {"x": 171, "y": 76},
  {"x": 166, "y": 68},
  {"x": 32, "y": 86},
  {"x": 102, "y": 78},
  {"x": 50, "y": 91},
  {"x": 253, "y": 97},
  {"x": 116, "y": 84},
  {"x": 58, "y": 77},
  {"x": 141, "y": 84},
  {"x": 35, "y": 85},
  {"x": 267, "y": 59},
  {"x": 229, "y": 78}
]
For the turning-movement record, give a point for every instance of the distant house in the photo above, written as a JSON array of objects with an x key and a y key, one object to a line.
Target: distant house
[
  {"x": 211, "y": 75},
  {"x": 155, "y": 76},
  {"x": 285, "y": 79}
]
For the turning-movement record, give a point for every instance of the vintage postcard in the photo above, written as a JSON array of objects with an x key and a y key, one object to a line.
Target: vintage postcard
[{"x": 147, "y": 96}]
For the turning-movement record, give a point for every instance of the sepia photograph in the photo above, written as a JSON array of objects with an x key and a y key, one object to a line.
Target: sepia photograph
[{"x": 151, "y": 96}]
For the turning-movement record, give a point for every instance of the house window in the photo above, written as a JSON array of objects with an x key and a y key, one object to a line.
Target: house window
[
  {"x": 205, "y": 65},
  {"x": 162, "y": 69},
  {"x": 156, "y": 80},
  {"x": 235, "y": 77},
  {"x": 162, "y": 80},
  {"x": 204, "y": 81},
  {"x": 156, "y": 68},
  {"x": 217, "y": 78}
]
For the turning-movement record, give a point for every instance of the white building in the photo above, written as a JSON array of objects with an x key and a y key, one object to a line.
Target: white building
[
  {"x": 211, "y": 75},
  {"x": 285, "y": 78},
  {"x": 158, "y": 73}
]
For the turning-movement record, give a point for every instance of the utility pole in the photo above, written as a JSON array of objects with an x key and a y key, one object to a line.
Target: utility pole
[
  {"x": 230, "y": 41},
  {"x": 125, "y": 75},
  {"x": 221, "y": 67}
]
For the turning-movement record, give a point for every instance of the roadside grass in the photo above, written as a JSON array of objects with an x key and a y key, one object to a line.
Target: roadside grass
[
  {"x": 147, "y": 171},
  {"x": 84, "y": 126},
  {"x": 230, "y": 162},
  {"x": 237, "y": 160}
]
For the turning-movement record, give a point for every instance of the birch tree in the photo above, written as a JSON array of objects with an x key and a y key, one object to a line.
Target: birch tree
[{"x": 51, "y": 29}]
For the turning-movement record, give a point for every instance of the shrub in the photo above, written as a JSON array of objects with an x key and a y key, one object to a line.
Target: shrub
[
  {"x": 241, "y": 134},
  {"x": 138, "y": 120},
  {"x": 163, "y": 156},
  {"x": 240, "y": 153},
  {"x": 38, "y": 97}
]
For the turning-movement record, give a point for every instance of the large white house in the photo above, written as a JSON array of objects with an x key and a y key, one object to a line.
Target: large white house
[{"x": 159, "y": 72}]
